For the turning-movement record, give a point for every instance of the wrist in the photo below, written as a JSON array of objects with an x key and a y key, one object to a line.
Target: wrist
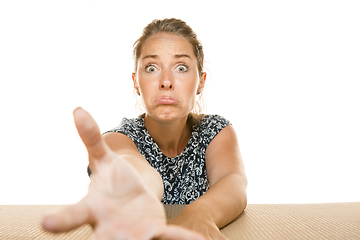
[
  {"x": 199, "y": 210},
  {"x": 197, "y": 219}
]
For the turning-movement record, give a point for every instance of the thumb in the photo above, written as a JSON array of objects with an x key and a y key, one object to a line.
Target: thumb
[
  {"x": 67, "y": 218},
  {"x": 90, "y": 134}
]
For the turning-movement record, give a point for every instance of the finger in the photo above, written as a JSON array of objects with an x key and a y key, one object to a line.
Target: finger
[
  {"x": 67, "y": 218},
  {"x": 90, "y": 133},
  {"x": 179, "y": 233}
]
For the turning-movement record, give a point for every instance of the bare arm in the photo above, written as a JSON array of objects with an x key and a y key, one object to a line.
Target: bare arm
[
  {"x": 226, "y": 198},
  {"x": 226, "y": 173}
]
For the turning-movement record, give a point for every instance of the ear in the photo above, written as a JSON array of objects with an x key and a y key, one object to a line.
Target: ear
[
  {"x": 201, "y": 83},
  {"x": 136, "y": 86}
]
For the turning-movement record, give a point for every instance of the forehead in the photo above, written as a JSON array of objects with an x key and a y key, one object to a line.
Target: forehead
[{"x": 166, "y": 44}]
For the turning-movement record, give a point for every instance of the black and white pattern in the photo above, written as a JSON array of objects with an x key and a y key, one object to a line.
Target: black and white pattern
[{"x": 184, "y": 176}]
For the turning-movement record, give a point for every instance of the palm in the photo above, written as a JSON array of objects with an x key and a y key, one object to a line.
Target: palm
[
  {"x": 118, "y": 205},
  {"x": 118, "y": 197}
]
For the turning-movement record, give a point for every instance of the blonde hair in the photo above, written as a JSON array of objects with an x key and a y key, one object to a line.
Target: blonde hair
[{"x": 179, "y": 27}]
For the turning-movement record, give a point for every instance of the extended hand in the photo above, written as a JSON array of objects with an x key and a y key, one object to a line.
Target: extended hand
[{"x": 118, "y": 205}]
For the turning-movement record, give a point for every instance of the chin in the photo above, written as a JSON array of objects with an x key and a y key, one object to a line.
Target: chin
[{"x": 168, "y": 114}]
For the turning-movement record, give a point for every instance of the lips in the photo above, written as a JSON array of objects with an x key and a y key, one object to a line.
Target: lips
[{"x": 163, "y": 100}]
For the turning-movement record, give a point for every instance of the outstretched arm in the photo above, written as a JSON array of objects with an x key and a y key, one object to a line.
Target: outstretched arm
[
  {"x": 120, "y": 204},
  {"x": 226, "y": 197}
]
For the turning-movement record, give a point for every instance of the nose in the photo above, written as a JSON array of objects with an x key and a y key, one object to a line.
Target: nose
[
  {"x": 166, "y": 86},
  {"x": 166, "y": 81}
]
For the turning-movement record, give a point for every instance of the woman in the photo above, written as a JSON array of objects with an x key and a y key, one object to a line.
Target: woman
[{"x": 168, "y": 153}]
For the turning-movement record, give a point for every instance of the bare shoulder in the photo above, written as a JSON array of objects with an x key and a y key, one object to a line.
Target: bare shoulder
[{"x": 223, "y": 156}]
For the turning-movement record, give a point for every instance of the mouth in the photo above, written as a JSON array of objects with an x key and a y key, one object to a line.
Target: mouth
[{"x": 167, "y": 100}]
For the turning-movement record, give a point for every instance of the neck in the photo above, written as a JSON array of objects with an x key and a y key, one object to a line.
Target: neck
[{"x": 171, "y": 137}]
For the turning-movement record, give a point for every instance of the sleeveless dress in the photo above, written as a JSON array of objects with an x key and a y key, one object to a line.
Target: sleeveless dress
[{"x": 184, "y": 176}]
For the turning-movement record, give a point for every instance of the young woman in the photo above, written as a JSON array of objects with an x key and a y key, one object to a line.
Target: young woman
[{"x": 171, "y": 154}]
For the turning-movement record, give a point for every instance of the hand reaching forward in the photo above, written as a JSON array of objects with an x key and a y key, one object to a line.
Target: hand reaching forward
[{"x": 118, "y": 205}]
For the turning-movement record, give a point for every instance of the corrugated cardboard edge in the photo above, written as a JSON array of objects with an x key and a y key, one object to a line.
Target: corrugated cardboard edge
[{"x": 258, "y": 221}]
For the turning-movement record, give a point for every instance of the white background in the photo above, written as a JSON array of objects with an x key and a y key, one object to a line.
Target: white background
[{"x": 285, "y": 73}]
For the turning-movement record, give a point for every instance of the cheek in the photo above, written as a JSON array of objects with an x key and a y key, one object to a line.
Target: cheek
[
  {"x": 145, "y": 84},
  {"x": 189, "y": 91},
  {"x": 192, "y": 85}
]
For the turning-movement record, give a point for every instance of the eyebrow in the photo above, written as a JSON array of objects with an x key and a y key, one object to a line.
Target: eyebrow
[
  {"x": 182, "y": 55},
  {"x": 176, "y": 56},
  {"x": 150, "y": 56}
]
